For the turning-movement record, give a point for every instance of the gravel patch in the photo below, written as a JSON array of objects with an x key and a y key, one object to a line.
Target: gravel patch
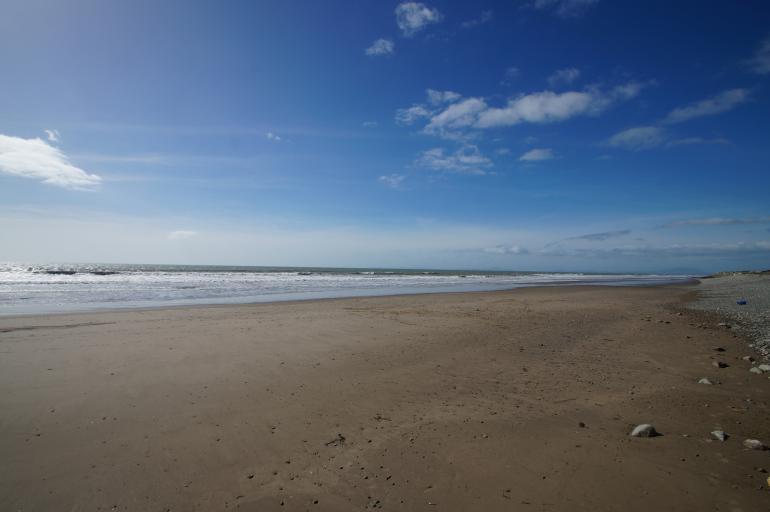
[{"x": 720, "y": 294}]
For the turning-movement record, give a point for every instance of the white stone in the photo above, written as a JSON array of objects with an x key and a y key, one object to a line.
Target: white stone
[
  {"x": 719, "y": 435},
  {"x": 644, "y": 430}
]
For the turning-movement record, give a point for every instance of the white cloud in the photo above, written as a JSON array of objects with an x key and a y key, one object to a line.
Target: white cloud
[
  {"x": 718, "y": 104},
  {"x": 563, "y": 77},
  {"x": 537, "y": 155},
  {"x": 411, "y": 17},
  {"x": 760, "y": 63},
  {"x": 485, "y": 17},
  {"x": 503, "y": 151},
  {"x": 53, "y": 135},
  {"x": 272, "y": 136},
  {"x": 411, "y": 115},
  {"x": 370, "y": 124},
  {"x": 506, "y": 249},
  {"x": 393, "y": 180},
  {"x": 565, "y": 8},
  {"x": 181, "y": 234},
  {"x": 548, "y": 106},
  {"x": 439, "y": 97},
  {"x": 36, "y": 159},
  {"x": 458, "y": 115},
  {"x": 381, "y": 47},
  {"x": 466, "y": 160},
  {"x": 638, "y": 138}
]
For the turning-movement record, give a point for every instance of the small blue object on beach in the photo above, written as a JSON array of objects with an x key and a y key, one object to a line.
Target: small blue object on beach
[{"x": 741, "y": 302}]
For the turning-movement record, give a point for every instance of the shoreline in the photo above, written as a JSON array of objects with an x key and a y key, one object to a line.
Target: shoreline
[
  {"x": 366, "y": 294},
  {"x": 455, "y": 401}
]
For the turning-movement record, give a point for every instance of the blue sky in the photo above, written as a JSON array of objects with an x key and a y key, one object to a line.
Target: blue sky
[{"x": 538, "y": 135}]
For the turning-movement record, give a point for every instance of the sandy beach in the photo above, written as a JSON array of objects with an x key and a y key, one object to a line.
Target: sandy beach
[{"x": 517, "y": 400}]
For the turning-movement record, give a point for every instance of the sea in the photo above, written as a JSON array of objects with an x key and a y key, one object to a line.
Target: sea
[{"x": 64, "y": 288}]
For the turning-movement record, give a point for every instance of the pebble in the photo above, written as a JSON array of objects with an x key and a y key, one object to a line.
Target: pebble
[
  {"x": 748, "y": 358},
  {"x": 756, "y": 370},
  {"x": 644, "y": 430},
  {"x": 719, "y": 364},
  {"x": 754, "y": 444},
  {"x": 764, "y": 367},
  {"x": 704, "y": 380},
  {"x": 719, "y": 435}
]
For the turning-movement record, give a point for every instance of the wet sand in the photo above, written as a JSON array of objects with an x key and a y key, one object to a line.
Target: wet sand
[{"x": 518, "y": 400}]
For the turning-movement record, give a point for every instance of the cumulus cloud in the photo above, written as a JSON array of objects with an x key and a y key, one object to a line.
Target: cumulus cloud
[
  {"x": 565, "y": 8},
  {"x": 485, "y": 17},
  {"x": 638, "y": 138},
  {"x": 718, "y": 104},
  {"x": 36, "y": 159},
  {"x": 53, "y": 135},
  {"x": 412, "y": 17},
  {"x": 718, "y": 221},
  {"x": 392, "y": 180},
  {"x": 563, "y": 77},
  {"x": 181, "y": 234},
  {"x": 466, "y": 160},
  {"x": 380, "y": 47},
  {"x": 760, "y": 62},
  {"x": 537, "y": 155},
  {"x": 273, "y": 136}
]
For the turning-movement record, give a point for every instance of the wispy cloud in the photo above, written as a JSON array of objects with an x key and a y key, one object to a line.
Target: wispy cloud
[
  {"x": 717, "y": 221},
  {"x": 563, "y": 77},
  {"x": 718, "y": 104},
  {"x": 600, "y": 237},
  {"x": 760, "y": 62},
  {"x": 181, "y": 234},
  {"x": 690, "y": 141},
  {"x": 466, "y": 160},
  {"x": 381, "y": 47},
  {"x": 441, "y": 97},
  {"x": 461, "y": 114},
  {"x": 458, "y": 116},
  {"x": 548, "y": 106},
  {"x": 36, "y": 159},
  {"x": 510, "y": 76},
  {"x": 411, "y": 115},
  {"x": 53, "y": 135},
  {"x": 537, "y": 155},
  {"x": 638, "y": 138},
  {"x": 485, "y": 17},
  {"x": 412, "y": 17},
  {"x": 370, "y": 124},
  {"x": 565, "y": 8},
  {"x": 506, "y": 249},
  {"x": 668, "y": 251},
  {"x": 392, "y": 180},
  {"x": 272, "y": 136}
]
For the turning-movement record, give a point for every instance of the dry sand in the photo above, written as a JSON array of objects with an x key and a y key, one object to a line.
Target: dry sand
[{"x": 519, "y": 400}]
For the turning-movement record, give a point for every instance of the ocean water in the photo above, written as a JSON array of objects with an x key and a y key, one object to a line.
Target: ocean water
[{"x": 59, "y": 288}]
